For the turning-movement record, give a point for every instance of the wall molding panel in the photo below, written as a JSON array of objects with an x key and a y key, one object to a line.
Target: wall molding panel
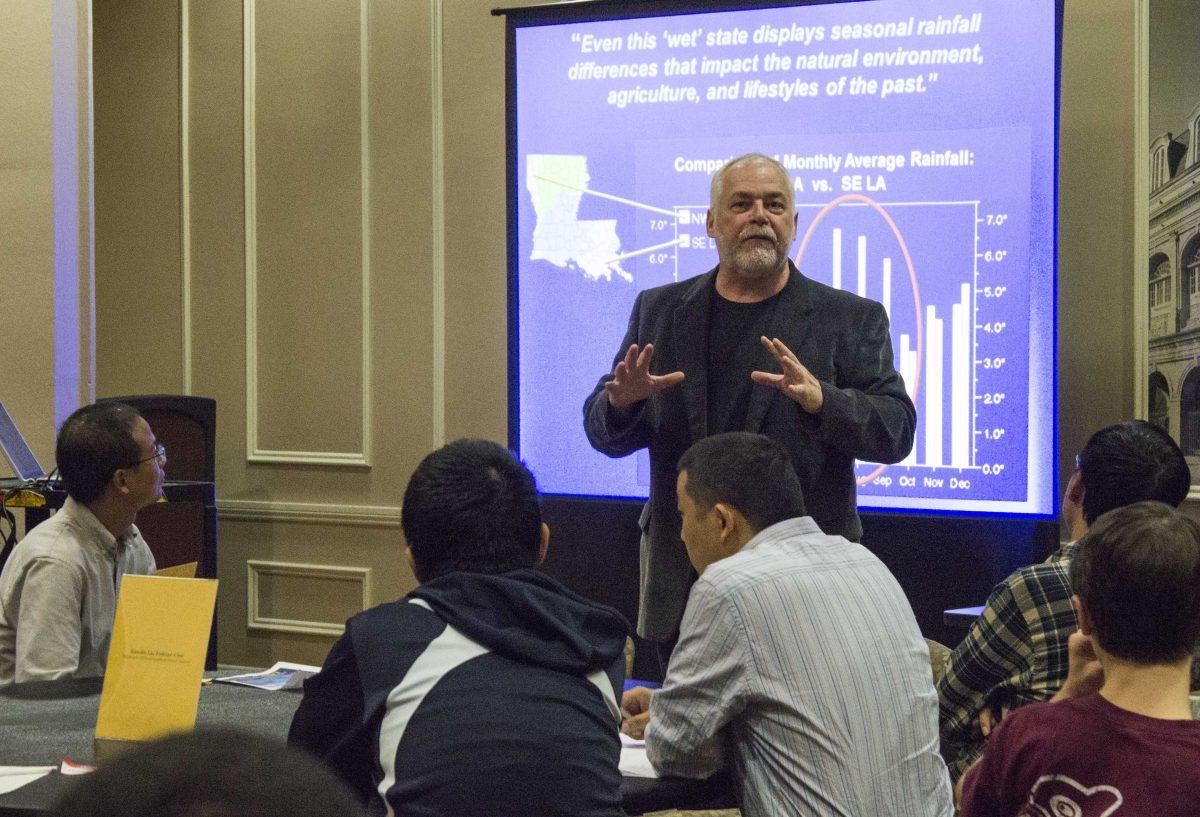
[
  {"x": 254, "y": 451},
  {"x": 185, "y": 193},
  {"x": 438, "y": 124},
  {"x": 256, "y": 569},
  {"x": 309, "y": 513},
  {"x": 1141, "y": 212}
]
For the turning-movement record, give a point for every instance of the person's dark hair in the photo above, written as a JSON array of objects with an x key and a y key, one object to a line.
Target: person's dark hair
[
  {"x": 210, "y": 774},
  {"x": 93, "y": 442},
  {"x": 471, "y": 505},
  {"x": 750, "y": 472},
  {"x": 1137, "y": 573},
  {"x": 1131, "y": 462}
]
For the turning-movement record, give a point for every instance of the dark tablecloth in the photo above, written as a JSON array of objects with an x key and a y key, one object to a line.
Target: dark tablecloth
[{"x": 43, "y": 723}]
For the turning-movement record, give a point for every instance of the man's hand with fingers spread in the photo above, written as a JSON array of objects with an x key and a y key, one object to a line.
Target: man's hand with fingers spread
[
  {"x": 796, "y": 381},
  {"x": 632, "y": 382}
]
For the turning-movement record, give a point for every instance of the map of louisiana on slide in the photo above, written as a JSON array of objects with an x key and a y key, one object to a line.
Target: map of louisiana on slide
[{"x": 556, "y": 184}]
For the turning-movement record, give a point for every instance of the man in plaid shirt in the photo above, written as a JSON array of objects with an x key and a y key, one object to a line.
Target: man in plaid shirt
[{"x": 1016, "y": 652}]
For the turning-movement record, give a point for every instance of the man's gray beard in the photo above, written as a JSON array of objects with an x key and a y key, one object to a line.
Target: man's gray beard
[{"x": 759, "y": 260}]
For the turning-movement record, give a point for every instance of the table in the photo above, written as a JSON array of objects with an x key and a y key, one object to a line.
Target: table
[{"x": 42, "y": 723}]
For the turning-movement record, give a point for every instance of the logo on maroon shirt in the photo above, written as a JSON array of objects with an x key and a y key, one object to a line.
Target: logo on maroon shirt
[{"x": 1056, "y": 795}]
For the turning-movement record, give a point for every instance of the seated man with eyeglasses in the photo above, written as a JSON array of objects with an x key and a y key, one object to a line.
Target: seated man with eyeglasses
[{"x": 58, "y": 590}]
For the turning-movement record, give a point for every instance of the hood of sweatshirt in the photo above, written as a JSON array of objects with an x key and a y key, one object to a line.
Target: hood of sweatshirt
[{"x": 527, "y": 615}]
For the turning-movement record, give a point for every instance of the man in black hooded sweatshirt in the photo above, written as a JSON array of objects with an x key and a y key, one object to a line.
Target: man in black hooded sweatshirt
[{"x": 491, "y": 689}]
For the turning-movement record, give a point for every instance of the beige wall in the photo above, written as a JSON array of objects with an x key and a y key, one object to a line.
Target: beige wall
[
  {"x": 310, "y": 320},
  {"x": 46, "y": 326},
  {"x": 378, "y": 327},
  {"x": 136, "y": 105},
  {"x": 1096, "y": 222},
  {"x": 26, "y": 207}
]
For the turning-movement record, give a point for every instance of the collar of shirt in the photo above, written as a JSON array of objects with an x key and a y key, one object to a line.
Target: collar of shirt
[
  {"x": 81, "y": 516},
  {"x": 1064, "y": 553},
  {"x": 786, "y": 529}
]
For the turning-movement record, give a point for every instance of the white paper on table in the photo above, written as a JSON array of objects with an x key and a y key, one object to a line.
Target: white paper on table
[
  {"x": 14, "y": 777},
  {"x": 281, "y": 675},
  {"x": 631, "y": 743},
  {"x": 635, "y": 763}
]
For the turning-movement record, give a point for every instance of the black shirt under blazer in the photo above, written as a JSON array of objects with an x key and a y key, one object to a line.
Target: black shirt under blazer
[{"x": 866, "y": 414}]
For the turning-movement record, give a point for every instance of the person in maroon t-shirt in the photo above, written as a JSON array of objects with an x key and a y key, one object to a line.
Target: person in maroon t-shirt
[{"x": 1119, "y": 738}]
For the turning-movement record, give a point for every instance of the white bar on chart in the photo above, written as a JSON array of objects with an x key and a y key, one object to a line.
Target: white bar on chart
[
  {"x": 887, "y": 287},
  {"x": 908, "y": 371},
  {"x": 862, "y": 266},
  {"x": 960, "y": 381},
  {"x": 837, "y": 258},
  {"x": 933, "y": 387}
]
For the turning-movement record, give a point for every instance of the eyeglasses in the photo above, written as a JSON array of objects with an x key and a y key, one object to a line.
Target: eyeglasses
[{"x": 160, "y": 452}]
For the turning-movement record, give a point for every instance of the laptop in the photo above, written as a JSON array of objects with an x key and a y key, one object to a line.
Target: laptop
[{"x": 16, "y": 450}]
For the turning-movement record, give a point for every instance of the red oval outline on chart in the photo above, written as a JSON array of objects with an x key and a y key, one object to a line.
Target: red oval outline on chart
[{"x": 912, "y": 277}]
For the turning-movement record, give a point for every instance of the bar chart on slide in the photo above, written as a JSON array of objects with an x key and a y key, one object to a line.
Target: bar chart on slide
[{"x": 955, "y": 317}]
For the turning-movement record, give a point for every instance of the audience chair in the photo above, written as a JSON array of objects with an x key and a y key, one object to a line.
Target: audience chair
[
  {"x": 939, "y": 658},
  {"x": 187, "y": 426}
]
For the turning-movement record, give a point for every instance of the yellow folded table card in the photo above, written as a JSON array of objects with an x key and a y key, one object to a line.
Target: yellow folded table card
[{"x": 156, "y": 657}]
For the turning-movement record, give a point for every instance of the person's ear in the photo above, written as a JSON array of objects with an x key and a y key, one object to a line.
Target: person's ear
[
  {"x": 1086, "y": 625},
  {"x": 412, "y": 565},
  {"x": 1075, "y": 489},
  {"x": 544, "y": 544},
  {"x": 725, "y": 518},
  {"x": 120, "y": 480},
  {"x": 709, "y": 221}
]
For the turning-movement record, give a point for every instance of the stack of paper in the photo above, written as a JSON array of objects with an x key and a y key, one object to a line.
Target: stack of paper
[
  {"x": 283, "y": 675},
  {"x": 635, "y": 763},
  {"x": 14, "y": 777}
]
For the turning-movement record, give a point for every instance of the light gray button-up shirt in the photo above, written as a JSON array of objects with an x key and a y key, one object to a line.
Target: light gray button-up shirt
[
  {"x": 58, "y": 596},
  {"x": 800, "y": 664}
]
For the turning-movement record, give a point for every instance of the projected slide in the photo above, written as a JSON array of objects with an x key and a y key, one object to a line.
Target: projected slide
[{"x": 920, "y": 141}]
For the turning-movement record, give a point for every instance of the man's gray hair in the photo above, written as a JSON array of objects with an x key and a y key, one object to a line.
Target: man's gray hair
[{"x": 718, "y": 179}]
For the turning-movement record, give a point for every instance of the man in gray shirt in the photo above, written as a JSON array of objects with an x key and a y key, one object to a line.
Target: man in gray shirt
[
  {"x": 58, "y": 591},
  {"x": 799, "y": 662}
]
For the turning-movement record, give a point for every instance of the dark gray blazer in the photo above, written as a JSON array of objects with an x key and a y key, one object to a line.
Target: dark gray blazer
[{"x": 866, "y": 414}]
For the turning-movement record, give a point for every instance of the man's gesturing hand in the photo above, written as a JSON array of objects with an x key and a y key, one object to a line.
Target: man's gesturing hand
[
  {"x": 796, "y": 381},
  {"x": 632, "y": 381}
]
